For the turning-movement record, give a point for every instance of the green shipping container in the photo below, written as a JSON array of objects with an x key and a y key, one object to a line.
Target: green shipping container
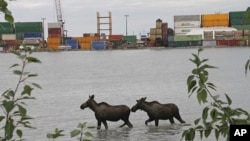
[
  {"x": 129, "y": 38},
  {"x": 188, "y": 38},
  {"x": 28, "y": 27},
  {"x": 6, "y": 28},
  {"x": 184, "y": 43},
  {"x": 241, "y": 27},
  {"x": 238, "y": 18}
]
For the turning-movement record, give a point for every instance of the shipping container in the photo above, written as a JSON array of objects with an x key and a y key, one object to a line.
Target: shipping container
[
  {"x": 6, "y": 28},
  {"x": 85, "y": 46},
  {"x": 8, "y": 36},
  {"x": 209, "y": 43},
  {"x": 241, "y": 27},
  {"x": 170, "y": 38},
  {"x": 165, "y": 34},
  {"x": 159, "y": 23},
  {"x": 187, "y": 37},
  {"x": 130, "y": 38},
  {"x": 21, "y": 27},
  {"x": 55, "y": 40},
  {"x": 152, "y": 31},
  {"x": 182, "y": 30},
  {"x": 211, "y": 20},
  {"x": 38, "y": 35},
  {"x": 230, "y": 43},
  {"x": 181, "y": 18},
  {"x": 183, "y": 24},
  {"x": 99, "y": 45},
  {"x": 54, "y": 25},
  {"x": 238, "y": 18},
  {"x": 115, "y": 37},
  {"x": 73, "y": 43}
]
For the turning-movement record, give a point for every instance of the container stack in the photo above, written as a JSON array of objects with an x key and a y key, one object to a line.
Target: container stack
[
  {"x": 73, "y": 43},
  {"x": 156, "y": 34},
  {"x": 165, "y": 34},
  {"x": 85, "y": 41},
  {"x": 54, "y": 35},
  {"x": 208, "y": 40},
  {"x": 185, "y": 23},
  {"x": 23, "y": 27},
  {"x": 10, "y": 40},
  {"x": 6, "y": 28}
]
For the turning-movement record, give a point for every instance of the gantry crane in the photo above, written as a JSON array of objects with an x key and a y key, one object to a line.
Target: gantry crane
[{"x": 60, "y": 21}]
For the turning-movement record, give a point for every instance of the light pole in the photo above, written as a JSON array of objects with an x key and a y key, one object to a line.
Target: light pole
[
  {"x": 126, "y": 24},
  {"x": 43, "y": 19}
]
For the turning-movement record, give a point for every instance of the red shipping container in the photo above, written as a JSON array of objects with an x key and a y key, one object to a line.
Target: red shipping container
[
  {"x": 10, "y": 42},
  {"x": 230, "y": 43},
  {"x": 115, "y": 37},
  {"x": 54, "y": 31}
]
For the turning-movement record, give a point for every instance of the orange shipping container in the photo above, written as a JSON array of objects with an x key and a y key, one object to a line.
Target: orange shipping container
[
  {"x": 54, "y": 40},
  {"x": 87, "y": 39},
  {"x": 210, "y": 20},
  {"x": 85, "y": 46},
  {"x": 54, "y": 46}
]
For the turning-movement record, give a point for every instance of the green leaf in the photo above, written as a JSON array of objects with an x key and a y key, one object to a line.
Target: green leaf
[
  {"x": 228, "y": 99},
  {"x": 197, "y": 121},
  {"x": 8, "y": 105},
  {"x": 19, "y": 133},
  {"x": 74, "y": 133},
  {"x": 247, "y": 66},
  {"x": 27, "y": 90},
  {"x": 1, "y": 118},
  {"x": 214, "y": 114},
  {"x": 14, "y": 65},
  {"x": 17, "y": 72},
  {"x": 36, "y": 85},
  {"x": 9, "y": 129},
  {"x": 191, "y": 85},
  {"x": 207, "y": 132},
  {"x": 22, "y": 111},
  {"x": 88, "y": 134},
  {"x": 202, "y": 96},
  {"x": 205, "y": 113},
  {"x": 217, "y": 134},
  {"x": 32, "y": 75},
  {"x": 33, "y": 60}
]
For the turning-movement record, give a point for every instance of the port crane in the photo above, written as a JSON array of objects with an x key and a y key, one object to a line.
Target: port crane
[{"x": 61, "y": 22}]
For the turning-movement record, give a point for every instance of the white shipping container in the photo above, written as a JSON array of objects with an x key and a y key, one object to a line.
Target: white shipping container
[
  {"x": 193, "y": 24},
  {"x": 54, "y": 25},
  {"x": 8, "y": 36},
  {"x": 182, "y": 31}
]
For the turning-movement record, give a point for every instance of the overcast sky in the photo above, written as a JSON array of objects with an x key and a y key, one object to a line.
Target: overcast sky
[{"x": 80, "y": 15}]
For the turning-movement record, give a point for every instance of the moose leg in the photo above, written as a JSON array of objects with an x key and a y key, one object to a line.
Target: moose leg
[
  {"x": 171, "y": 120},
  {"x": 156, "y": 122},
  {"x": 129, "y": 124},
  {"x": 149, "y": 120},
  {"x": 98, "y": 124},
  {"x": 105, "y": 124},
  {"x": 178, "y": 117}
]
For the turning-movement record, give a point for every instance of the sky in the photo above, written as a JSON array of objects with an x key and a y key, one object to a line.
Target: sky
[{"x": 80, "y": 15}]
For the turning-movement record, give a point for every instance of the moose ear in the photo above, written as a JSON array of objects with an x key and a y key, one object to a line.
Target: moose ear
[
  {"x": 144, "y": 98},
  {"x": 137, "y": 101},
  {"x": 91, "y": 96}
]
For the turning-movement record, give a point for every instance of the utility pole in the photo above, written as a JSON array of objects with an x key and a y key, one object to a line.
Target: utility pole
[
  {"x": 126, "y": 16},
  {"x": 43, "y": 19}
]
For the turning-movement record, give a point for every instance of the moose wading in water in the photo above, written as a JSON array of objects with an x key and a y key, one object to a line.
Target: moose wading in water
[
  {"x": 104, "y": 112},
  {"x": 157, "y": 111}
]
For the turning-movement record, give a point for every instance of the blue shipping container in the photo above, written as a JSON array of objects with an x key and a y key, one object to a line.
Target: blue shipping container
[
  {"x": 32, "y": 35},
  {"x": 73, "y": 43},
  {"x": 99, "y": 45}
]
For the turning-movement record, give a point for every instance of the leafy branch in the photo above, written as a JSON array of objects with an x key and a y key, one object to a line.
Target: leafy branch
[
  {"x": 218, "y": 115},
  {"x": 13, "y": 103}
]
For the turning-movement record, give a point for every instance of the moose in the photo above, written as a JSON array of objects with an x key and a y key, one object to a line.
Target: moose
[
  {"x": 105, "y": 112},
  {"x": 157, "y": 111}
]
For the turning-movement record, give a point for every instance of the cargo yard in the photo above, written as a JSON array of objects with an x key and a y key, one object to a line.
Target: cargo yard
[{"x": 201, "y": 30}]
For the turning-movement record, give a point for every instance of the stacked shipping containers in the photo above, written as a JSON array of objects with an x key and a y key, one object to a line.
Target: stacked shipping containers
[
  {"x": 54, "y": 35},
  {"x": 183, "y": 24},
  {"x": 85, "y": 41},
  {"x": 156, "y": 34},
  {"x": 23, "y": 27}
]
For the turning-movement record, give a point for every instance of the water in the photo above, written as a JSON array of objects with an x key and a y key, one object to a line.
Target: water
[{"x": 121, "y": 77}]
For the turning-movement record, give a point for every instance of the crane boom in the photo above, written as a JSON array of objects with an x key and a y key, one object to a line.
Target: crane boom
[{"x": 58, "y": 11}]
